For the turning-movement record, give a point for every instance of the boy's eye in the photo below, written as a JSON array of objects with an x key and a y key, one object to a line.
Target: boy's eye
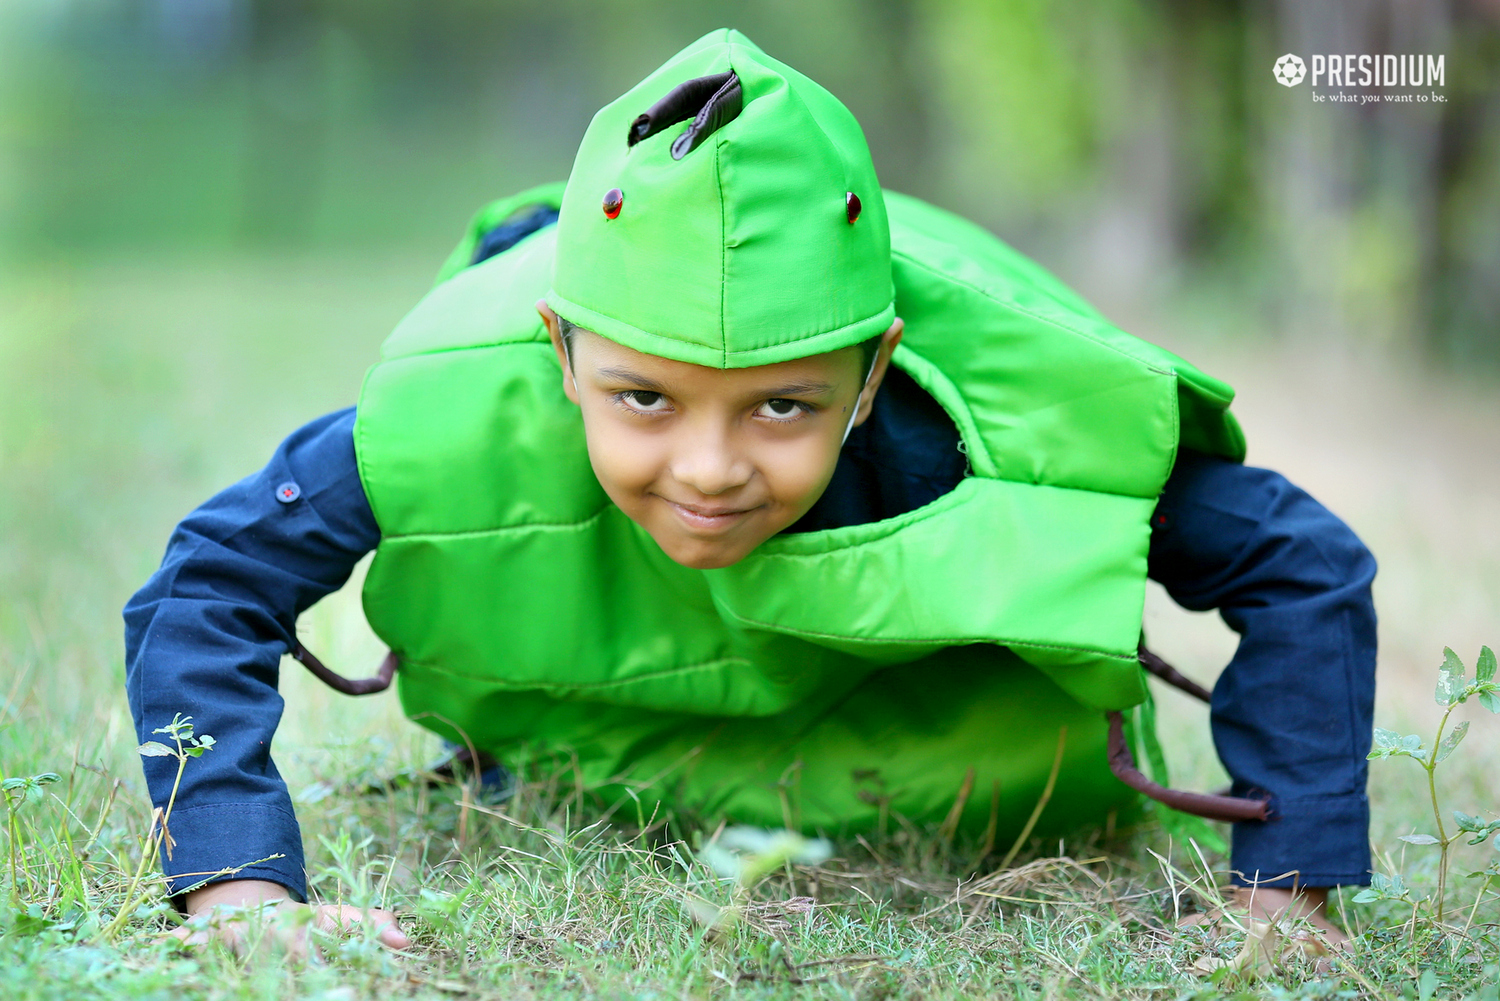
[
  {"x": 643, "y": 400},
  {"x": 784, "y": 409}
]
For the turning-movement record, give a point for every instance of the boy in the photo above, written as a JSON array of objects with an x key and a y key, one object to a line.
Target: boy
[{"x": 740, "y": 538}]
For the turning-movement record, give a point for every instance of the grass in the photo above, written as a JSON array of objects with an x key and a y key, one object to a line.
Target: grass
[{"x": 131, "y": 390}]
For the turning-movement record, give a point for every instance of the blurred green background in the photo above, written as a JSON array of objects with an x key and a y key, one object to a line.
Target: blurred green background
[
  {"x": 212, "y": 211},
  {"x": 1135, "y": 145}
]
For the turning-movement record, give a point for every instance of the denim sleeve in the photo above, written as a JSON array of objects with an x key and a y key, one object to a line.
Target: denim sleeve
[
  {"x": 205, "y": 635},
  {"x": 1292, "y": 713}
]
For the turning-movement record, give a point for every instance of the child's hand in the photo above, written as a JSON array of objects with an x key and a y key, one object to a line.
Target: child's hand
[{"x": 251, "y": 914}]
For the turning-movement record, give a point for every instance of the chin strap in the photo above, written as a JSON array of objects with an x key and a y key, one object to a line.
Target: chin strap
[
  {"x": 855, "y": 411},
  {"x": 568, "y": 354},
  {"x": 1213, "y": 806}
]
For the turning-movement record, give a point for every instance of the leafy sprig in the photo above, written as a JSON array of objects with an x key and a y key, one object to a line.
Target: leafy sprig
[
  {"x": 1454, "y": 688},
  {"x": 20, "y": 792},
  {"x": 185, "y": 744}
]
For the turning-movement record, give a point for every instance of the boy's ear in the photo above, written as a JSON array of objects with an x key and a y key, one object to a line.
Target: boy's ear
[
  {"x": 888, "y": 342},
  {"x": 549, "y": 318}
]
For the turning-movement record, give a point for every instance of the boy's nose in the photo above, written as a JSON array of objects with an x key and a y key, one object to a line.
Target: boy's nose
[{"x": 709, "y": 464}]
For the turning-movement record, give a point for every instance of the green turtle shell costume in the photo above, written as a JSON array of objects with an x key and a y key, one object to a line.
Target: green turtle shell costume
[{"x": 725, "y": 212}]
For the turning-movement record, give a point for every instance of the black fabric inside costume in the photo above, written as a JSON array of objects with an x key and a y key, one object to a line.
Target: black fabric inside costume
[{"x": 904, "y": 455}]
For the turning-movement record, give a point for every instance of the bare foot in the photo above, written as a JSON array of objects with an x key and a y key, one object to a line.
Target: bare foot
[{"x": 1278, "y": 924}]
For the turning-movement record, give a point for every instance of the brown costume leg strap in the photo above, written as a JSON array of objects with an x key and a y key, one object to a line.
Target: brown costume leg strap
[
  {"x": 1122, "y": 762},
  {"x": 1214, "y": 807},
  {"x": 339, "y": 683},
  {"x": 1171, "y": 675}
]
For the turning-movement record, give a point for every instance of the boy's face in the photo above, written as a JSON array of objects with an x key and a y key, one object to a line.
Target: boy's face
[{"x": 712, "y": 462}]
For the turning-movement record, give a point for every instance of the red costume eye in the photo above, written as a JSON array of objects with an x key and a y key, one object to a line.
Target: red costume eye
[
  {"x": 851, "y": 206},
  {"x": 614, "y": 200}
]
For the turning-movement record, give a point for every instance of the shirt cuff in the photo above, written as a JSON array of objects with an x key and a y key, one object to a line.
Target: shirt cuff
[
  {"x": 1310, "y": 841},
  {"x": 223, "y": 841}
]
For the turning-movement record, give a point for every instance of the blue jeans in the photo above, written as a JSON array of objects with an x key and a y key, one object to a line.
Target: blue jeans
[{"x": 1292, "y": 713}]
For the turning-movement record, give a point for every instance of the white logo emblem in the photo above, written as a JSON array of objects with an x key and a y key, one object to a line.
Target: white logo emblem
[{"x": 1290, "y": 70}]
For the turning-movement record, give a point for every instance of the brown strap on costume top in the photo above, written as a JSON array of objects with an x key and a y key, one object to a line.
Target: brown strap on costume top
[
  {"x": 339, "y": 683},
  {"x": 710, "y": 101},
  {"x": 1122, "y": 762}
]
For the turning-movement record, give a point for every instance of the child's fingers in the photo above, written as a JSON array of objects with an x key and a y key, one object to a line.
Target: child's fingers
[
  {"x": 392, "y": 936},
  {"x": 289, "y": 927},
  {"x": 337, "y": 918},
  {"x": 196, "y": 934},
  {"x": 190, "y": 936}
]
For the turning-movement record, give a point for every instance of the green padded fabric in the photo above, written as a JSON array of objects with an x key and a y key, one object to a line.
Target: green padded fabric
[{"x": 828, "y": 676}]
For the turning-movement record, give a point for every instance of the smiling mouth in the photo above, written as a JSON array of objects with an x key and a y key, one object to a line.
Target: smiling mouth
[{"x": 703, "y": 517}]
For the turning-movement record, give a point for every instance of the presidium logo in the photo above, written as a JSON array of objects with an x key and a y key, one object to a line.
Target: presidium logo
[
  {"x": 1347, "y": 71},
  {"x": 1290, "y": 70}
]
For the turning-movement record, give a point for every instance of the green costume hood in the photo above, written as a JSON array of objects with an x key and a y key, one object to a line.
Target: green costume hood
[{"x": 767, "y": 241}]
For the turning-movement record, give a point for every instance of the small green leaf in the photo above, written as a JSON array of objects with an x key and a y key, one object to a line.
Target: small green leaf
[
  {"x": 10, "y": 784},
  {"x": 194, "y": 752},
  {"x": 1419, "y": 839},
  {"x": 1450, "y": 743},
  {"x": 1468, "y": 823},
  {"x": 1485, "y": 669},
  {"x": 1481, "y": 833},
  {"x": 1382, "y": 887},
  {"x": 205, "y": 741},
  {"x": 1450, "y": 678},
  {"x": 1489, "y": 700},
  {"x": 1389, "y": 743},
  {"x": 181, "y": 727},
  {"x": 1411, "y": 746},
  {"x": 32, "y": 921},
  {"x": 1488, "y": 874},
  {"x": 155, "y": 749},
  {"x": 1427, "y": 984}
]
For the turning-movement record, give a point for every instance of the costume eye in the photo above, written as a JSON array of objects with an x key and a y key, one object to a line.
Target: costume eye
[
  {"x": 643, "y": 401},
  {"x": 786, "y": 411}
]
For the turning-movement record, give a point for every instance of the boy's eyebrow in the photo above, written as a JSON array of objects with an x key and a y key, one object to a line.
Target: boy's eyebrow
[
  {"x": 626, "y": 375},
  {"x": 796, "y": 388},
  {"x": 805, "y": 387}
]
